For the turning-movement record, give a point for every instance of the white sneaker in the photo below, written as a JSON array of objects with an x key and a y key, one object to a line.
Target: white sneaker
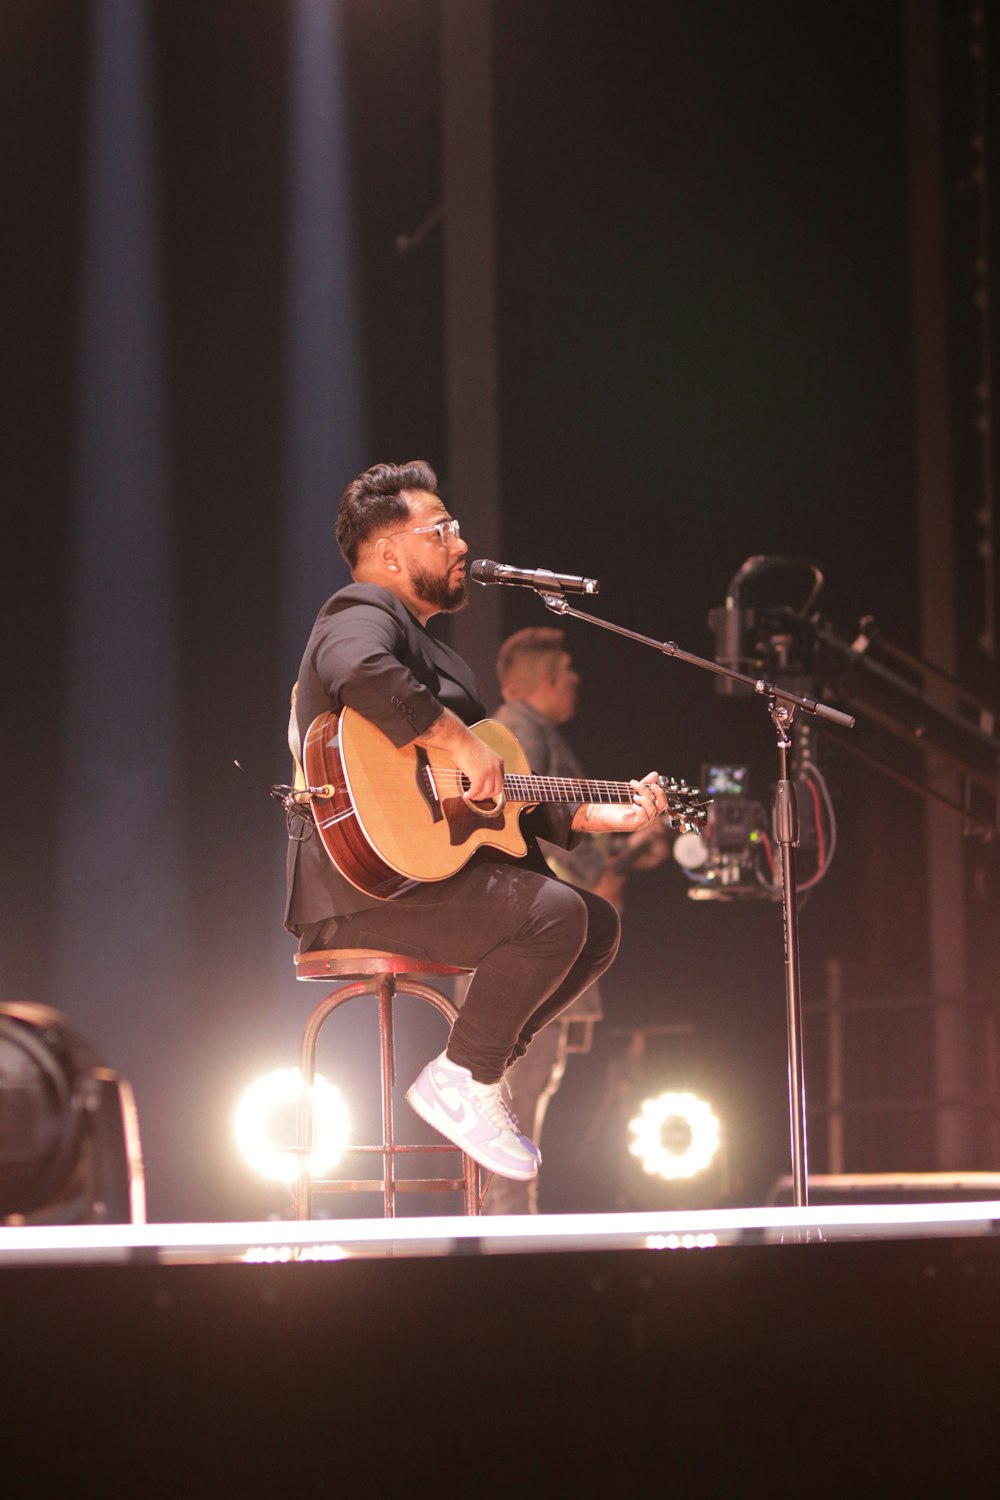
[{"x": 473, "y": 1116}]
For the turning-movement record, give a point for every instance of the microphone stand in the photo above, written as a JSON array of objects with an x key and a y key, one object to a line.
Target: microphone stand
[{"x": 782, "y": 707}]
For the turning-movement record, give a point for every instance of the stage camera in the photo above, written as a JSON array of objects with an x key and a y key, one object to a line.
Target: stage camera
[
  {"x": 782, "y": 644},
  {"x": 721, "y": 863},
  {"x": 773, "y": 640}
]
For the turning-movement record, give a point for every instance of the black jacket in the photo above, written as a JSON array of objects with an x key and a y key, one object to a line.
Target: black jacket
[{"x": 368, "y": 653}]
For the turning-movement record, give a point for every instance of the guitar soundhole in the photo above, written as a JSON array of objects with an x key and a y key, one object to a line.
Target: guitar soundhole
[{"x": 486, "y": 808}]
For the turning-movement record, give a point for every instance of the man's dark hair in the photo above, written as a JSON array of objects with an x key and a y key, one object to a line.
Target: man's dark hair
[
  {"x": 525, "y": 652},
  {"x": 375, "y": 499}
]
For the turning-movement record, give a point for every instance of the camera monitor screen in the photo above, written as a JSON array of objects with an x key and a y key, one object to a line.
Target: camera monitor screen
[{"x": 724, "y": 781}]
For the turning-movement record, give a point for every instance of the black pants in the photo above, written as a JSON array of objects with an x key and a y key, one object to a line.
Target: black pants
[{"x": 534, "y": 942}]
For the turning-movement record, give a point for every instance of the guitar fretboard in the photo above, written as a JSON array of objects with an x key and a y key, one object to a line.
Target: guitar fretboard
[
  {"x": 564, "y": 789},
  {"x": 443, "y": 781}
]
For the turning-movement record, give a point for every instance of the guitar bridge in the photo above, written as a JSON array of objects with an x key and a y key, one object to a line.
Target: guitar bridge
[{"x": 427, "y": 786}]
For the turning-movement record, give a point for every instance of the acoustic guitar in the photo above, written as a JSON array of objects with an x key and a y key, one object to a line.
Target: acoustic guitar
[{"x": 392, "y": 818}]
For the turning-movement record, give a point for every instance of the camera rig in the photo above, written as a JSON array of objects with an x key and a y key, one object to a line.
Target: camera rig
[{"x": 954, "y": 754}]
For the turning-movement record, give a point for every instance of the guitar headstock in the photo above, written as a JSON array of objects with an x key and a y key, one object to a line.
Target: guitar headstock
[{"x": 687, "y": 809}]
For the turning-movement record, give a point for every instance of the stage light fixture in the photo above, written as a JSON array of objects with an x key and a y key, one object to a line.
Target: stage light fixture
[
  {"x": 69, "y": 1132},
  {"x": 277, "y": 1094},
  {"x": 674, "y": 1136}
]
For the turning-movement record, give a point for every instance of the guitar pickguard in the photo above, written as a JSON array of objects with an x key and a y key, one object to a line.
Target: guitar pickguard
[{"x": 463, "y": 822}]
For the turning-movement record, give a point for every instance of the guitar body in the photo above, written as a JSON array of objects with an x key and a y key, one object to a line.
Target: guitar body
[{"x": 396, "y": 817}]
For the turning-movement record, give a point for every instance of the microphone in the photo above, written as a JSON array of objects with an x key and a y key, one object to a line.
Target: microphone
[{"x": 484, "y": 571}]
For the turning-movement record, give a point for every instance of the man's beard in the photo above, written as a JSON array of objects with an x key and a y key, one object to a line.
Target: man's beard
[{"x": 438, "y": 591}]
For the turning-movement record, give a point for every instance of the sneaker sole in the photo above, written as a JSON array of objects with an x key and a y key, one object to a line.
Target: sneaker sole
[{"x": 430, "y": 1117}]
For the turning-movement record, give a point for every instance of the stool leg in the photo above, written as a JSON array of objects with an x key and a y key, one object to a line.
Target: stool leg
[
  {"x": 304, "y": 1132},
  {"x": 473, "y": 1197},
  {"x": 302, "y": 1192},
  {"x": 386, "y": 990}
]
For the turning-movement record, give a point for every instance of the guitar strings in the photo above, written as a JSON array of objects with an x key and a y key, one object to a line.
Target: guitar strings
[
  {"x": 572, "y": 791},
  {"x": 526, "y": 787}
]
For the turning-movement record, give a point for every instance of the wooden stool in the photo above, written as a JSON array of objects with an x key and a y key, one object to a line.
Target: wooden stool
[{"x": 383, "y": 974}]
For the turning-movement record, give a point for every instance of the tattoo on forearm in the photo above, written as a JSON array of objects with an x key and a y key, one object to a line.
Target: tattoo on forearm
[{"x": 436, "y": 731}]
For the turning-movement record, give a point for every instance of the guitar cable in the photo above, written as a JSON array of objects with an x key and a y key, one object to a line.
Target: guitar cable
[{"x": 297, "y": 803}]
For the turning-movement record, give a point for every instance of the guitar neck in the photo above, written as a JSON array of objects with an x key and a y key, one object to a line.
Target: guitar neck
[{"x": 564, "y": 789}]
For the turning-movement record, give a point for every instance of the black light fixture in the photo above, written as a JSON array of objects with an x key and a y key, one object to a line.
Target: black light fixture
[{"x": 70, "y": 1151}]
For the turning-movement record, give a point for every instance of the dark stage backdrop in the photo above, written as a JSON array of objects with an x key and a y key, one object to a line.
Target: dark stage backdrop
[{"x": 705, "y": 354}]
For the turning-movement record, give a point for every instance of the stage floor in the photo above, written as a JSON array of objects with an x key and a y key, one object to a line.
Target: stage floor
[
  {"x": 847, "y": 1349},
  {"x": 278, "y": 1241}
]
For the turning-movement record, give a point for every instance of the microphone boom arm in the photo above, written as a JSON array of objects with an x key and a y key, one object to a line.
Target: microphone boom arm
[{"x": 561, "y": 606}]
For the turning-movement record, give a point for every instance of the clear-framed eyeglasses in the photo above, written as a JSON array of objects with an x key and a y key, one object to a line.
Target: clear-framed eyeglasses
[{"x": 448, "y": 531}]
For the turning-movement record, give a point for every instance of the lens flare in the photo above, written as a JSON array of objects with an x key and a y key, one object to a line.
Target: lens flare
[
  {"x": 674, "y": 1136},
  {"x": 256, "y": 1125}
]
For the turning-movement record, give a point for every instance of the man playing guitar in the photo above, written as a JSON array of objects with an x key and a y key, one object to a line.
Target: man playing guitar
[{"x": 534, "y": 942}]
